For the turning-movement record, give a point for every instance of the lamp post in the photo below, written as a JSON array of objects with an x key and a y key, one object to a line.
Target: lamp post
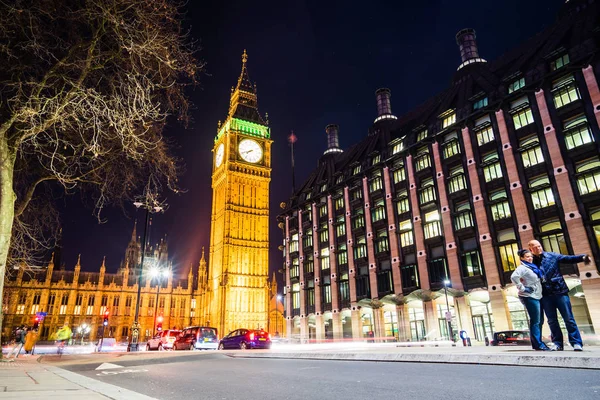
[
  {"x": 158, "y": 273},
  {"x": 277, "y": 315},
  {"x": 151, "y": 205},
  {"x": 448, "y": 313}
]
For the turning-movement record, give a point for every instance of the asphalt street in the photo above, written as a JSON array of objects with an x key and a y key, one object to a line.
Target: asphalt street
[{"x": 211, "y": 375}]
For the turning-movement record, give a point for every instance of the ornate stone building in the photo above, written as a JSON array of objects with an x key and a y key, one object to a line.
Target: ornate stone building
[
  {"x": 78, "y": 297},
  {"x": 422, "y": 219},
  {"x": 239, "y": 236}
]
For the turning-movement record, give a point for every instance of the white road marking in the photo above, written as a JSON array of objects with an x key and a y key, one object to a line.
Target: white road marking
[
  {"x": 108, "y": 366},
  {"x": 123, "y": 371}
]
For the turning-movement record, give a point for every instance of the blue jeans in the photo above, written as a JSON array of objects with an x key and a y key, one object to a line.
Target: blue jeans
[
  {"x": 562, "y": 303},
  {"x": 536, "y": 319}
]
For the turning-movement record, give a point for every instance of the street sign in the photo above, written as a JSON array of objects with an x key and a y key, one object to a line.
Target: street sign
[
  {"x": 41, "y": 315},
  {"x": 448, "y": 316}
]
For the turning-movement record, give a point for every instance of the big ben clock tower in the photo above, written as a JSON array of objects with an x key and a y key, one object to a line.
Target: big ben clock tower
[{"x": 239, "y": 233}]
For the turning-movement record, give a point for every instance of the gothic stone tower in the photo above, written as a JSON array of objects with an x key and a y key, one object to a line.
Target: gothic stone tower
[{"x": 239, "y": 237}]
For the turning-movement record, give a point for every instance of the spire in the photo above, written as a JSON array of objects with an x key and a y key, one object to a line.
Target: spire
[
  {"x": 103, "y": 266},
  {"x": 134, "y": 233},
  {"x": 244, "y": 102},
  {"x": 202, "y": 258},
  {"x": 78, "y": 265},
  {"x": 274, "y": 286}
]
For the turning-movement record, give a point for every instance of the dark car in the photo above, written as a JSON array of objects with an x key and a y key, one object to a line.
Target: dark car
[
  {"x": 511, "y": 338},
  {"x": 246, "y": 339},
  {"x": 197, "y": 337}
]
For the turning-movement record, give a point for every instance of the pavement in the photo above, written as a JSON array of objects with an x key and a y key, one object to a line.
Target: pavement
[{"x": 41, "y": 376}]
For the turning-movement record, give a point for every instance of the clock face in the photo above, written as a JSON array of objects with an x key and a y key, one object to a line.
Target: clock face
[
  {"x": 250, "y": 151},
  {"x": 219, "y": 155}
]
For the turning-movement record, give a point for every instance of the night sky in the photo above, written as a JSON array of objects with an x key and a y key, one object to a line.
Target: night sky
[{"x": 315, "y": 63}]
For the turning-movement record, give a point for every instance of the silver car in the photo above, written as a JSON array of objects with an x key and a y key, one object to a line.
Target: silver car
[{"x": 163, "y": 340}]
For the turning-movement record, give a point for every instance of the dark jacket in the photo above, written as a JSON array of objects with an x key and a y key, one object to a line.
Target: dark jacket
[
  {"x": 553, "y": 282},
  {"x": 20, "y": 336}
]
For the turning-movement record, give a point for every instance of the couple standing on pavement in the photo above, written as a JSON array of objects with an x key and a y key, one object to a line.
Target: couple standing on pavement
[{"x": 542, "y": 287}]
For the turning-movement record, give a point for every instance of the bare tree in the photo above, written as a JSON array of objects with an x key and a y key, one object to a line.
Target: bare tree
[{"x": 86, "y": 88}]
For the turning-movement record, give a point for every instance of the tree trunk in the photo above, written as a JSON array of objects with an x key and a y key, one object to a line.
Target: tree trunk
[{"x": 7, "y": 215}]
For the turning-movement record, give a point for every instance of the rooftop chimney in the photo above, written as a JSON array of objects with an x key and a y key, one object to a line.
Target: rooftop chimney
[
  {"x": 333, "y": 143},
  {"x": 384, "y": 105},
  {"x": 467, "y": 44}
]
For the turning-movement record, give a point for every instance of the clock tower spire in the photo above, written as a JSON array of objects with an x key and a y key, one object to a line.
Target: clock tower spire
[{"x": 239, "y": 233}]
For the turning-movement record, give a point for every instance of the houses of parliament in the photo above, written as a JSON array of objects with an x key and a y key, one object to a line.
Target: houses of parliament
[{"x": 233, "y": 292}]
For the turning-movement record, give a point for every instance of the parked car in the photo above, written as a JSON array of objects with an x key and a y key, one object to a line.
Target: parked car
[
  {"x": 511, "y": 338},
  {"x": 246, "y": 339},
  {"x": 163, "y": 340},
  {"x": 197, "y": 337}
]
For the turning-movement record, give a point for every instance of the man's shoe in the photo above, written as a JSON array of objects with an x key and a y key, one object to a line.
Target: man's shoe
[
  {"x": 577, "y": 347},
  {"x": 555, "y": 347},
  {"x": 543, "y": 349}
]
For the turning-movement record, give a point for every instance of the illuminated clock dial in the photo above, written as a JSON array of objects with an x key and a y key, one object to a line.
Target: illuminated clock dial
[
  {"x": 250, "y": 151},
  {"x": 219, "y": 155}
]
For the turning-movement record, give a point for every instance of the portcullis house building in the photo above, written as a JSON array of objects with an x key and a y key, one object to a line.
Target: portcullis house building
[{"x": 425, "y": 215}]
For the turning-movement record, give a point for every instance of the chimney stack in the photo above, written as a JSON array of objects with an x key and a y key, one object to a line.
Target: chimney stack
[
  {"x": 333, "y": 142},
  {"x": 469, "y": 53},
  {"x": 384, "y": 104}
]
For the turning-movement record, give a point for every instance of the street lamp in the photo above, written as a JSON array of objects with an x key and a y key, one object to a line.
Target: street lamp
[
  {"x": 83, "y": 329},
  {"x": 151, "y": 204},
  {"x": 277, "y": 315},
  {"x": 448, "y": 313},
  {"x": 158, "y": 273}
]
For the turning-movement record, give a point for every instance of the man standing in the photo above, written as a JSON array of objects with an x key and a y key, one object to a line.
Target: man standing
[
  {"x": 556, "y": 294},
  {"x": 19, "y": 342}
]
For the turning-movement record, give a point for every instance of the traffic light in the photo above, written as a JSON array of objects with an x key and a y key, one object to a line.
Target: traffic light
[
  {"x": 159, "y": 321},
  {"x": 106, "y": 314},
  {"x": 36, "y": 323}
]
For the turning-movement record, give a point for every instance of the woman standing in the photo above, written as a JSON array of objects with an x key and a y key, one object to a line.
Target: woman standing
[
  {"x": 528, "y": 279},
  {"x": 30, "y": 340}
]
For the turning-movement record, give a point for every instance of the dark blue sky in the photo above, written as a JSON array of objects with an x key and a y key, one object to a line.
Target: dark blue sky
[{"x": 315, "y": 63}]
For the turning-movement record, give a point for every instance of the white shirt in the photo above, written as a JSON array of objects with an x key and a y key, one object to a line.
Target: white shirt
[{"x": 524, "y": 277}]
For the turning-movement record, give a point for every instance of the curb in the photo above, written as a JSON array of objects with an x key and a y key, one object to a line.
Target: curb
[{"x": 480, "y": 359}]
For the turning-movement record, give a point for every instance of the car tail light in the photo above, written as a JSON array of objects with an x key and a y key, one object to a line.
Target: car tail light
[{"x": 251, "y": 336}]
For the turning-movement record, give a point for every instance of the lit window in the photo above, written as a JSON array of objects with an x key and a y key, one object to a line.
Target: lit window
[
  {"x": 422, "y": 135},
  {"x": 427, "y": 192},
  {"x": 398, "y": 147},
  {"x": 531, "y": 152},
  {"x": 485, "y": 134},
  {"x": 339, "y": 179},
  {"x": 564, "y": 91},
  {"x": 340, "y": 227},
  {"x": 522, "y": 116},
  {"x": 516, "y": 85},
  {"x": 294, "y": 243},
  {"x": 432, "y": 226},
  {"x": 342, "y": 254},
  {"x": 323, "y": 187},
  {"x": 325, "y": 258},
  {"x": 358, "y": 220},
  {"x": 480, "y": 103},
  {"x": 378, "y": 211},
  {"x": 553, "y": 238},
  {"x": 375, "y": 183},
  {"x": 422, "y": 159},
  {"x": 491, "y": 167},
  {"x": 509, "y": 257},
  {"x": 451, "y": 145},
  {"x": 323, "y": 233},
  {"x": 448, "y": 118},
  {"x": 499, "y": 205},
  {"x": 399, "y": 174},
  {"x": 406, "y": 233},
  {"x": 355, "y": 194},
  {"x": 463, "y": 218},
  {"x": 402, "y": 204},
  {"x": 456, "y": 180},
  {"x": 360, "y": 247},
  {"x": 471, "y": 264},
  {"x": 323, "y": 210},
  {"x": 541, "y": 192},
  {"x": 356, "y": 170},
  {"x": 588, "y": 176},
  {"x": 381, "y": 241},
  {"x": 339, "y": 202},
  {"x": 559, "y": 62},
  {"x": 577, "y": 132},
  {"x": 376, "y": 160}
]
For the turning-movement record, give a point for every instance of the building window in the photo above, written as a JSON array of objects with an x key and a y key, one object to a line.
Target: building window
[
  {"x": 480, "y": 103},
  {"x": 339, "y": 179},
  {"x": 541, "y": 192},
  {"x": 564, "y": 91},
  {"x": 456, "y": 180},
  {"x": 356, "y": 169},
  {"x": 340, "y": 227},
  {"x": 375, "y": 183},
  {"x": 294, "y": 243},
  {"x": 448, "y": 118},
  {"x": 499, "y": 205},
  {"x": 324, "y": 233},
  {"x": 552, "y": 237},
  {"x": 427, "y": 192},
  {"x": 399, "y": 174},
  {"x": 438, "y": 270},
  {"x": 484, "y": 134},
  {"x": 308, "y": 195},
  {"x": 376, "y": 159},
  {"x": 295, "y": 269},
  {"x": 577, "y": 132},
  {"x": 325, "y": 259},
  {"x": 307, "y": 238},
  {"x": 422, "y": 160},
  {"x": 398, "y": 147},
  {"x": 422, "y": 135},
  {"x": 358, "y": 220},
  {"x": 78, "y": 303},
  {"x": 51, "y": 300},
  {"x": 339, "y": 203},
  {"x": 432, "y": 226},
  {"x": 588, "y": 176},
  {"x": 360, "y": 247},
  {"x": 516, "y": 85},
  {"x": 471, "y": 264},
  {"x": 381, "y": 242},
  {"x": 531, "y": 151},
  {"x": 523, "y": 117},
  {"x": 491, "y": 167},
  {"x": 402, "y": 203},
  {"x": 90, "y": 306},
  {"x": 463, "y": 217},
  {"x": 323, "y": 187},
  {"x": 410, "y": 275},
  {"x": 323, "y": 210},
  {"x": 342, "y": 254},
  {"x": 326, "y": 294},
  {"x": 595, "y": 218},
  {"x": 309, "y": 264},
  {"x": 451, "y": 146},
  {"x": 378, "y": 211},
  {"x": 406, "y": 233},
  {"x": 559, "y": 62},
  {"x": 355, "y": 194},
  {"x": 509, "y": 257},
  {"x": 64, "y": 301}
]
